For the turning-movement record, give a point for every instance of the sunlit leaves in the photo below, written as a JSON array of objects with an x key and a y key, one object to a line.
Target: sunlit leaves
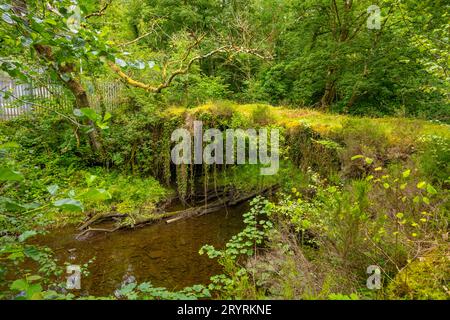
[
  {"x": 27, "y": 289},
  {"x": 421, "y": 185},
  {"x": 94, "y": 194},
  {"x": 89, "y": 113},
  {"x": 252, "y": 236},
  {"x": 357, "y": 157},
  {"x": 431, "y": 189},
  {"x": 406, "y": 173}
]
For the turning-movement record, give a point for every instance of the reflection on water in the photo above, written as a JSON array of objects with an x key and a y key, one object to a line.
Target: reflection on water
[{"x": 165, "y": 254}]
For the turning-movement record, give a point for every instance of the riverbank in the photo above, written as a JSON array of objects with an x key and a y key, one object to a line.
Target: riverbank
[{"x": 351, "y": 192}]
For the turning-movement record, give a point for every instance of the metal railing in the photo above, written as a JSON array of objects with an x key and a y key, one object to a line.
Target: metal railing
[{"x": 28, "y": 98}]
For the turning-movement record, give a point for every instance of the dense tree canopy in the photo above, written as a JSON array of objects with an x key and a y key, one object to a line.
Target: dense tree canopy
[{"x": 301, "y": 53}]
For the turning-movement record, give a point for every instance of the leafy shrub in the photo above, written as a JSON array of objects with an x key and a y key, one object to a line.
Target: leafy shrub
[
  {"x": 384, "y": 219},
  {"x": 194, "y": 89},
  {"x": 223, "y": 109},
  {"x": 434, "y": 157},
  {"x": 235, "y": 281},
  {"x": 262, "y": 115}
]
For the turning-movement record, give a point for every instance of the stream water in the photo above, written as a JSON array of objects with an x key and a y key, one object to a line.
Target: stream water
[{"x": 164, "y": 254}]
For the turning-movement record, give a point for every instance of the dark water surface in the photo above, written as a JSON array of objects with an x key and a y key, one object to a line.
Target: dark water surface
[{"x": 164, "y": 254}]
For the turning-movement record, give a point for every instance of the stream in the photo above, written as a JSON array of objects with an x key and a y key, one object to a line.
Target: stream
[{"x": 164, "y": 254}]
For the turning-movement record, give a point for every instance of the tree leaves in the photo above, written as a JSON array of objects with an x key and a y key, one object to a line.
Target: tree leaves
[
  {"x": 94, "y": 194},
  {"x": 29, "y": 290},
  {"x": 90, "y": 114},
  {"x": 53, "y": 189},
  {"x": 6, "y": 174},
  {"x": 7, "y": 18},
  {"x": 421, "y": 185},
  {"x": 431, "y": 189},
  {"x": 69, "y": 205},
  {"x": 27, "y": 234}
]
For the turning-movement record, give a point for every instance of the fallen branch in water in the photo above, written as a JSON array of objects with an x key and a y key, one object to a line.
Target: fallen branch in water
[
  {"x": 101, "y": 217},
  {"x": 89, "y": 229},
  {"x": 215, "y": 206},
  {"x": 226, "y": 199}
]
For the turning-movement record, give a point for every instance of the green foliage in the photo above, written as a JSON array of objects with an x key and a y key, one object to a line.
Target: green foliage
[
  {"x": 424, "y": 279},
  {"x": 235, "y": 280},
  {"x": 354, "y": 190},
  {"x": 100, "y": 121},
  {"x": 139, "y": 141},
  {"x": 434, "y": 157},
  {"x": 224, "y": 109},
  {"x": 261, "y": 115},
  {"x": 20, "y": 221},
  {"x": 250, "y": 238},
  {"x": 247, "y": 178},
  {"x": 146, "y": 291},
  {"x": 338, "y": 232},
  {"x": 321, "y": 61},
  {"x": 196, "y": 89},
  {"x": 337, "y": 296}
]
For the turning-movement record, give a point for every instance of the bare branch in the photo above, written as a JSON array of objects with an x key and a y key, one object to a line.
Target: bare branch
[
  {"x": 152, "y": 30},
  {"x": 100, "y": 12},
  {"x": 183, "y": 70},
  {"x": 136, "y": 40}
]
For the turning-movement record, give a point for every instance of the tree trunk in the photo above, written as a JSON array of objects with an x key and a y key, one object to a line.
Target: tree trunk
[
  {"x": 81, "y": 98},
  {"x": 340, "y": 31},
  {"x": 82, "y": 101},
  {"x": 330, "y": 91}
]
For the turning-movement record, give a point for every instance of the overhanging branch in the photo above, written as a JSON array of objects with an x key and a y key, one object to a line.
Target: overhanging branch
[{"x": 183, "y": 70}]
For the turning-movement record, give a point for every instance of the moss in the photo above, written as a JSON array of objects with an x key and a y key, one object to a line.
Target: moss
[
  {"x": 223, "y": 109},
  {"x": 328, "y": 124},
  {"x": 426, "y": 278}
]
